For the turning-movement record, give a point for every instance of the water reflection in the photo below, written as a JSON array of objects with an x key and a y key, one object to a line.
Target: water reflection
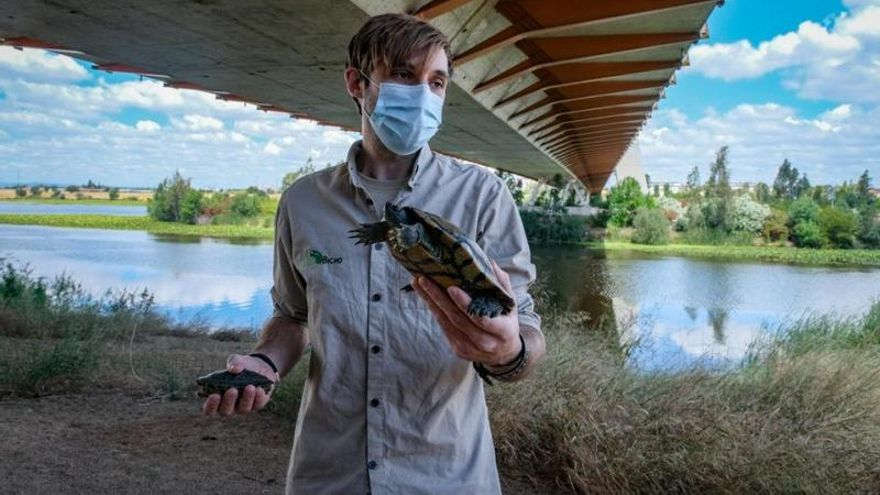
[
  {"x": 680, "y": 311},
  {"x": 683, "y": 311}
]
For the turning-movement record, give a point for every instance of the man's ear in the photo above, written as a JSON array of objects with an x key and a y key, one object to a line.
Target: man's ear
[{"x": 353, "y": 83}]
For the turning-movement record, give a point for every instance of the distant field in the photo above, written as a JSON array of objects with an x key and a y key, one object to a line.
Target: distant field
[{"x": 89, "y": 196}]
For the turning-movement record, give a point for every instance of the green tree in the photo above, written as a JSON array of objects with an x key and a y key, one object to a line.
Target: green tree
[
  {"x": 803, "y": 210},
  {"x": 786, "y": 179},
  {"x": 113, "y": 194},
  {"x": 292, "y": 177},
  {"x": 20, "y": 192},
  {"x": 623, "y": 201},
  {"x": 808, "y": 234},
  {"x": 191, "y": 206},
  {"x": 693, "y": 183},
  {"x": 775, "y": 226},
  {"x": 650, "y": 226},
  {"x": 514, "y": 185},
  {"x": 167, "y": 204},
  {"x": 801, "y": 187},
  {"x": 839, "y": 227},
  {"x": 717, "y": 202},
  {"x": 36, "y": 190},
  {"x": 246, "y": 205},
  {"x": 762, "y": 192}
]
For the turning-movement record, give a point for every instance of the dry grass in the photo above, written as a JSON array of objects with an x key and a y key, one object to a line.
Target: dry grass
[{"x": 799, "y": 424}]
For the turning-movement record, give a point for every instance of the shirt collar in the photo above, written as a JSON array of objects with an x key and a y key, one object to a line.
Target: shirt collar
[{"x": 423, "y": 159}]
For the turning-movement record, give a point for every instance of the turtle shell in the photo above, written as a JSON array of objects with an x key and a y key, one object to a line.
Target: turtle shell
[
  {"x": 219, "y": 381},
  {"x": 449, "y": 257}
]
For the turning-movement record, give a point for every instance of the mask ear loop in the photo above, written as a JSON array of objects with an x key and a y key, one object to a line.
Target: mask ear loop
[{"x": 364, "y": 107}]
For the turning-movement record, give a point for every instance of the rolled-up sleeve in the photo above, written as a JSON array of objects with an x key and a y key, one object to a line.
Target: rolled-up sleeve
[
  {"x": 289, "y": 289},
  {"x": 504, "y": 240}
]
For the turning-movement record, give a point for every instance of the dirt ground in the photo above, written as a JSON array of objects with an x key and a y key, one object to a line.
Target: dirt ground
[{"x": 119, "y": 442}]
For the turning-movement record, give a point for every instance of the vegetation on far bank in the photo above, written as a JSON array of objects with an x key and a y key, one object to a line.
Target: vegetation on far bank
[
  {"x": 84, "y": 201},
  {"x": 801, "y": 414},
  {"x": 141, "y": 223},
  {"x": 770, "y": 254}
]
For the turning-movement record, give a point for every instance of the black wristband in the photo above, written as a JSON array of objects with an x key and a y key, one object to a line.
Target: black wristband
[
  {"x": 265, "y": 359},
  {"x": 515, "y": 367}
]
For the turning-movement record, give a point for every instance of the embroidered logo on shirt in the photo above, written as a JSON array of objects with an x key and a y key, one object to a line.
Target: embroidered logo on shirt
[{"x": 320, "y": 258}]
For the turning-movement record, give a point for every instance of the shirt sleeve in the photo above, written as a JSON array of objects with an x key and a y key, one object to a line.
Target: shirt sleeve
[
  {"x": 289, "y": 289},
  {"x": 503, "y": 238}
]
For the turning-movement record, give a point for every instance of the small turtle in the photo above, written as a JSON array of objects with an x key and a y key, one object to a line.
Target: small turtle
[
  {"x": 219, "y": 381},
  {"x": 428, "y": 245}
]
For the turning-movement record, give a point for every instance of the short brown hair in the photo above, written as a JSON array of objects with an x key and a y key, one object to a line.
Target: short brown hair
[{"x": 392, "y": 39}]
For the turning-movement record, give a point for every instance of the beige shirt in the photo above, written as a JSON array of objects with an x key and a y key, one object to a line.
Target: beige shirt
[{"x": 387, "y": 407}]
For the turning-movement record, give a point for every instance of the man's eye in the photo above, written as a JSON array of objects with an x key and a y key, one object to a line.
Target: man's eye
[
  {"x": 402, "y": 75},
  {"x": 439, "y": 84}
]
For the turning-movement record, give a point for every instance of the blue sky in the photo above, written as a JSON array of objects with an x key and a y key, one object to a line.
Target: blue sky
[{"x": 775, "y": 80}]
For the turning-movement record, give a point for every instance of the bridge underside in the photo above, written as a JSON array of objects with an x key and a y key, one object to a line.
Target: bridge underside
[{"x": 541, "y": 87}]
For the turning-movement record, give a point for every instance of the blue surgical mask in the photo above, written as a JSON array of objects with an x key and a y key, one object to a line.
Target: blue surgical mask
[{"x": 406, "y": 116}]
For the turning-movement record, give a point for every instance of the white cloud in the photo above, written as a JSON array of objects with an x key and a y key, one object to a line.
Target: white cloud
[
  {"x": 840, "y": 62},
  {"x": 39, "y": 65},
  {"x": 147, "y": 126},
  {"x": 197, "y": 123},
  {"x": 836, "y": 145}
]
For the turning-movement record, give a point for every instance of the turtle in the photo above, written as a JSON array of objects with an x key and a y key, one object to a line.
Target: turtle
[
  {"x": 427, "y": 244},
  {"x": 219, "y": 381}
]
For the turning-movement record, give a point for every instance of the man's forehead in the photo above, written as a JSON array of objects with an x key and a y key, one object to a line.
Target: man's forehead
[{"x": 433, "y": 61}]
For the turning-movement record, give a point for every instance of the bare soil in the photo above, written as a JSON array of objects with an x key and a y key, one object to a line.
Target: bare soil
[{"x": 124, "y": 434}]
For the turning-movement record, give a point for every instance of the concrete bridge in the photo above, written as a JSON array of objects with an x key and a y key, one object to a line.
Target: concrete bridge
[{"x": 541, "y": 87}]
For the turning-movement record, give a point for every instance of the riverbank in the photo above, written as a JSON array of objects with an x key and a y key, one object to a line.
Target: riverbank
[
  {"x": 802, "y": 414},
  {"x": 769, "y": 254},
  {"x": 144, "y": 223}
]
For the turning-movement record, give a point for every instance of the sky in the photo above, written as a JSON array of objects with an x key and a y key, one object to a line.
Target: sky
[{"x": 796, "y": 79}]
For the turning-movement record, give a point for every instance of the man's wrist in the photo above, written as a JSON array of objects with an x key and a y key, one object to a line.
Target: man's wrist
[
  {"x": 508, "y": 361},
  {"x": 505, "y": 372}
]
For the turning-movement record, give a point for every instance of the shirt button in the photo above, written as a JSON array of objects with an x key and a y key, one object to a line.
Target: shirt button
[
  {"x": 376, "y": 297},
  {"x": 374, "y": 402},
  {"x": 375, "y": 349},
  {"x": 372, "y": 465}
]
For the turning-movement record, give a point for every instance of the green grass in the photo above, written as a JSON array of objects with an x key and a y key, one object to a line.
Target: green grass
[
  {"x": 770, "y": 254},
  {"x": 140, "y": 223},
  {"x": 56, "y": 201}
]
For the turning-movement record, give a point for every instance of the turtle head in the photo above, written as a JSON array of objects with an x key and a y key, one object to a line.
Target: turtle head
[{"x": 397, "y": 216}]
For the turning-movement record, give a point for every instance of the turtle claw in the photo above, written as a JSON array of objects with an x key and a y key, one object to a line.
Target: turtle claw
[
  {"x": 407, "y": 288},
  {"x": 370, "y": 233}
]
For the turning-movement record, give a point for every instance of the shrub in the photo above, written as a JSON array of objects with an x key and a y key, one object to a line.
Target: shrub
[
  {"x": 62, "y": 365},
  {"x": 808, "y": 234},
  {"x": 624, "y": 200},
  {"x": 36, "y": 190},
  {"x": 175, "y": 201},
  {"x": 839, "y": 226},
  {"x": 245, "y": 204},
  {"x": 650, "y": 227},
  {"x": 748, "y": 215},
  {"x": 671, "y": 208},
  {"x": 114, "y": 193},
  {"x": 801, "y": 210},
  {"x": 775, "y": 226},
  {"x": 20, "y": 192},
  {"x": 543, "y": 227}
]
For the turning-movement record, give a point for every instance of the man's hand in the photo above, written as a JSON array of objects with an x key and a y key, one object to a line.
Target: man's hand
[
  {"x": 251, "y": 399},
  {"x": 491, "y": 341}
]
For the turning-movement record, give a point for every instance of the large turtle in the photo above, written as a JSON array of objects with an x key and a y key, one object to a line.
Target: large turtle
[
  {"x": 426, "y": 244},
  {"x": 219, "y": 381}
]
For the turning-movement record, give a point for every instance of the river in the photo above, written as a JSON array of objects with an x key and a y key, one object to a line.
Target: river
[{"x": 682, "y": 310}]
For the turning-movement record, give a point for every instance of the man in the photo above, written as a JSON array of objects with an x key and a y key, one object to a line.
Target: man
[{"x": 393, "y": 403}]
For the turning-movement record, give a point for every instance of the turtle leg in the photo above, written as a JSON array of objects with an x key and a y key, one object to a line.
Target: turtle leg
[
  {"x": 485, "y": 305},
  {"x": 370, "y": 233}
]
